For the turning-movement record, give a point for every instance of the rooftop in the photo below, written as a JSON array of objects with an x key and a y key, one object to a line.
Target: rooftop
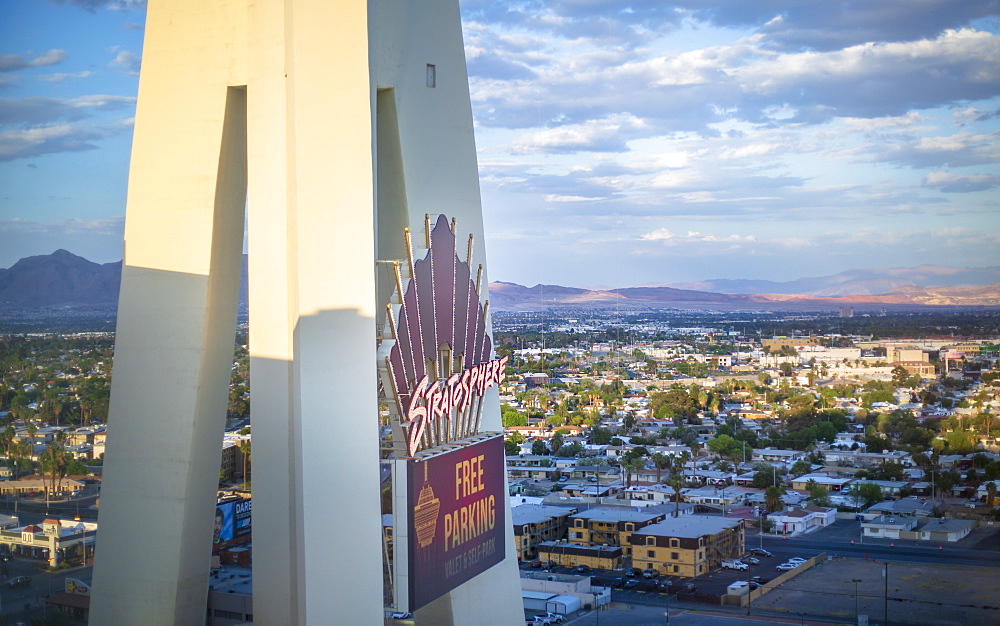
[{"x": 690, "y": 526}]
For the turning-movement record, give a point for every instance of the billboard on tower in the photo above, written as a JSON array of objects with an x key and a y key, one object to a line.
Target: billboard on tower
[{"x": 456, "y": 518}]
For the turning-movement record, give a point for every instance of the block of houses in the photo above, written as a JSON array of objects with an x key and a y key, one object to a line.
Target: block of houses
[{"x": 687, "y": 546}]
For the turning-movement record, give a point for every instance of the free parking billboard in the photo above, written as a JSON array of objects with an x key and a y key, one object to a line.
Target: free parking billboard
[{"x": 455, "y": 517}]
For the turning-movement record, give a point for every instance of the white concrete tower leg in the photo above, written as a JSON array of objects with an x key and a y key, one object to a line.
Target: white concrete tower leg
[{"x": 176, "y": 323}]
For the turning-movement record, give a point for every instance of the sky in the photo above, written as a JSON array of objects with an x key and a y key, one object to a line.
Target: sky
[{"x": 620, "y": 143}]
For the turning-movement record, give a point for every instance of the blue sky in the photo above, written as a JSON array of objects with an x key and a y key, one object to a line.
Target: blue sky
[{"x": 619, "y": 143}]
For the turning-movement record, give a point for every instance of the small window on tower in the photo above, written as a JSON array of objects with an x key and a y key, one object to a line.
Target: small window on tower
[{"x": 431, "y": 75}]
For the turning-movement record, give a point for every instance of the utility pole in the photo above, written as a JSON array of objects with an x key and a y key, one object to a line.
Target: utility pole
[{"x": 885, "y": 574}]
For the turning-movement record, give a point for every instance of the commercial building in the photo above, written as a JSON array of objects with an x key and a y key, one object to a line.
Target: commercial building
[{"x": 687, "y": 546}]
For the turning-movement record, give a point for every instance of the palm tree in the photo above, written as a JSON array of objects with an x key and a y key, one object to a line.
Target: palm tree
[
  {"x": 677, "y": 482},
  {"x": 633, "y": 465},
  {"x": 662, "y": 462},
  {"x": 772, "y": 498},
  {"x": 991, "y": 492},
  {"x": 245, "y": 451}
]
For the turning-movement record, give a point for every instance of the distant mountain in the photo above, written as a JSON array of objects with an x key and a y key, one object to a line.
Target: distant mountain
[
  {"x": 853, "y": 282},
  {"x": 59, "y": 279},
  {"x": 63, "y": 279},
  {"x": 513, "y": 297}
]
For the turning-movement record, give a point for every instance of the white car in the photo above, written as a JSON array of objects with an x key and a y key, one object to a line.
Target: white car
[
  {"x": 549, "y": 618},
  {"x": 796, "y": 559},
  {"x": 787, "y": 566}
]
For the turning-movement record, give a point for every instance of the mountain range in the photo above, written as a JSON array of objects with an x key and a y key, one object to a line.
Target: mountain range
[{"x": 63, "y": 279}]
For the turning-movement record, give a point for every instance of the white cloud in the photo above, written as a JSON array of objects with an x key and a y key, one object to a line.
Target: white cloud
[
  {"x": 954, "y": 183},
  {"x": 31, "y": 142},
  {"x": 601, "y": 135},
  {"x": 15, "y": 62},
  {"x": 127, "y": 62},
  {"x": 59, "y": 77}
]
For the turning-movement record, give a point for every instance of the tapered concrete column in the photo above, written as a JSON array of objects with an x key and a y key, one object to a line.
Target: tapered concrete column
[
  {"x": 336, "y": 123},
  {"x": 176, "y": 322}
]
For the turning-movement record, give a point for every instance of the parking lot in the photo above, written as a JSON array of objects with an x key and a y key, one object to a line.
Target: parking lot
[
  {"x": 921, "y": 593},
  {"x": 713, "y": 584}
]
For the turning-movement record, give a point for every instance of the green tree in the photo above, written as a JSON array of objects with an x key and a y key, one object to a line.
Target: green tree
[
  {"x": 819, "y": 494},
  {"x": 600, "y": 436},
  {"x": 772, "y": 498},
  {"x": 661, "y": 462},
  {"x": 245, "y": 454},
  {"x": 538, "y": 447},
  {"x": 632, "y": 466},
  {"x": 676, "y": 481},
  {"x": 801, "y": 467},
  {"x": 869, "y": 493},
  {"x": 509, "y": 416},
  {"x": 725, "y": 446}
]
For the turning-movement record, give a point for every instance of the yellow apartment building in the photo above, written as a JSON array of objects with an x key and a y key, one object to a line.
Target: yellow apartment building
[
  {"x": 535, "y": 524},
  {"x": 571, "y": 555},
  {"x": 688, "y": 546},
  {"x": 610, "y": 526}
]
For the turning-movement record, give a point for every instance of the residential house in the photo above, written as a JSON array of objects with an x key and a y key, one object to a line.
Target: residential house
[{"x": 802, "y": 519}]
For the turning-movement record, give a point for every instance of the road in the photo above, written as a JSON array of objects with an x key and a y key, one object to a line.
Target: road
[{"x": 843, "y": 539}]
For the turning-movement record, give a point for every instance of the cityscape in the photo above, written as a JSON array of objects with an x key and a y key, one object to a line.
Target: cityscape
[
  {"x": 572, "y": 312},
  {"x": 738, "y": 462}
]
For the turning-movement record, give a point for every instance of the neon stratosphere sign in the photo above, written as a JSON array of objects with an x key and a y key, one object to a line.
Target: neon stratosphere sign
[{"x": 436, "y": 356}]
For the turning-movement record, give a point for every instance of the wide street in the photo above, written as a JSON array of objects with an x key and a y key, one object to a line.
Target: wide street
[{"x": 843, "y": 538}]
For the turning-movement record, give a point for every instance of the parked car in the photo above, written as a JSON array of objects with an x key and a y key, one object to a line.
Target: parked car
[
  {"x": 761, "y": 552},
  {"x": 664, "y": 585},
  {"x": 632, "y": 572},
  {"x": 734, "y": 564},
  {"x": 549, "y": 618},
  {"x": 759, "y": 579},
  {"x": 689, "y": 588},
  {"x": 796, "y": 559},
  {"x": 787, "y": 566},
  {"x": 630, "y": 583},
  {"x": 581, "y": 569},
  {"x": 650, "y": 573},
  {"x": 19, "y": 581},
  {"x": 751, "y": 560}
]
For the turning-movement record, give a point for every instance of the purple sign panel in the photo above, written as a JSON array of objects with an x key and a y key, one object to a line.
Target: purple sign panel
[{"x": 456, "y": 518}]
